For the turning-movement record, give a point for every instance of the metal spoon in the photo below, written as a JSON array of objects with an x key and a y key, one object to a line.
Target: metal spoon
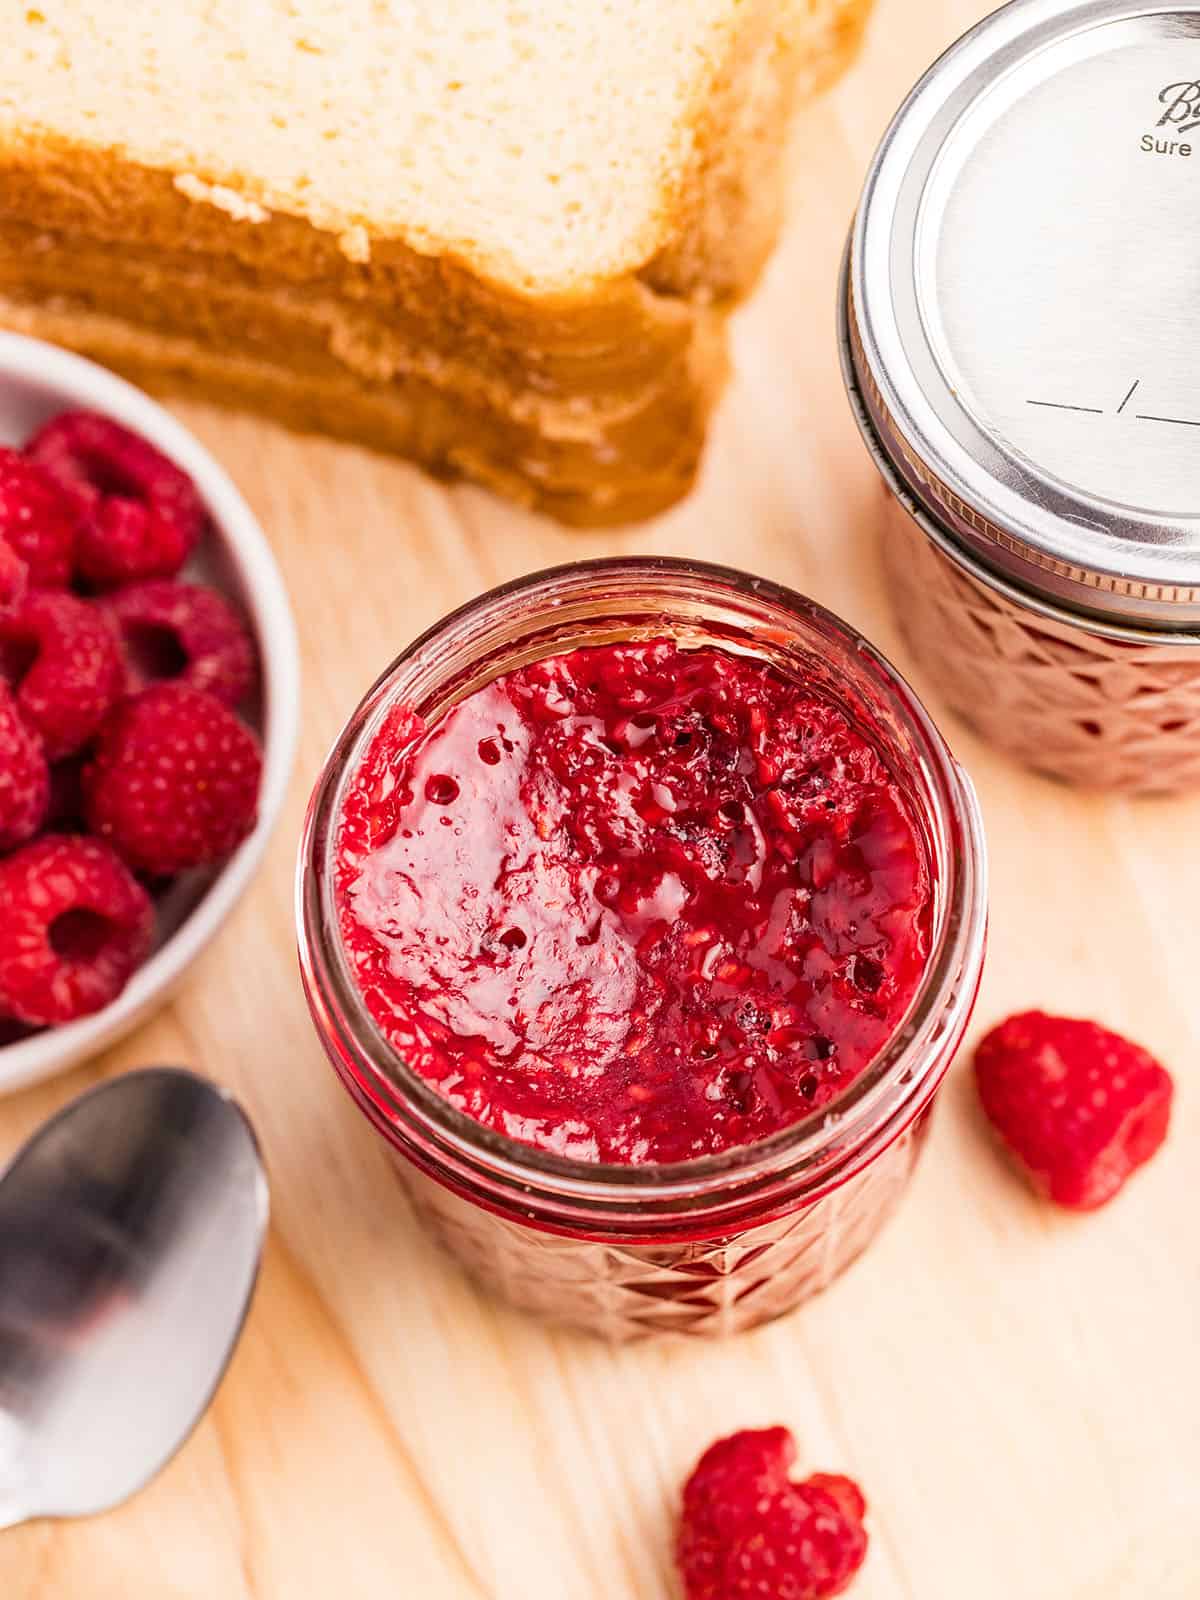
[{"x": 131, "y": 1228}]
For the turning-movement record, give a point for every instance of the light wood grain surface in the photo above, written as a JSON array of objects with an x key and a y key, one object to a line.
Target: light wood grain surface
[{"x": 1016, "y": 1389}]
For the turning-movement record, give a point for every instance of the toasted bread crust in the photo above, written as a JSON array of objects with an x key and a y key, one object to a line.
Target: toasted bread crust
[{"x": 728, "y": 203}]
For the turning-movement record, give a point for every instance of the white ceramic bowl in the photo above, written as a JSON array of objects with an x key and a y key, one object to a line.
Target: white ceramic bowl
[{"x": 37, "y": 380}]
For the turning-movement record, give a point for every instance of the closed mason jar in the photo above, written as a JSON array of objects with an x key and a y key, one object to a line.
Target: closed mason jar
[
  {"x": 1018, "y": 317},
  {"x": 712, "y": 1245}
]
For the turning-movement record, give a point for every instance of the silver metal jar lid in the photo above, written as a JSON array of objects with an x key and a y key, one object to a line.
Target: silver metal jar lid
[{"x": 1024, "y": 301}]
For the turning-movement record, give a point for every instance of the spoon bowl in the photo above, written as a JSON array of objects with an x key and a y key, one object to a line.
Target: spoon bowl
[{"x": 131, "y": 1227}]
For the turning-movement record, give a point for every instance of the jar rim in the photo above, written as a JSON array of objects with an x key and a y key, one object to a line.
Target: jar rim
[
  {"x": 888, "y": 1093},
  {"x": 924, "y": 512}
]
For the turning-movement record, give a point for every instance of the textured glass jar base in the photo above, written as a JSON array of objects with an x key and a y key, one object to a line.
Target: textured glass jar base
[
  {"x": 704, "y": 1288},
  {"x": 1074, "y": 704}
]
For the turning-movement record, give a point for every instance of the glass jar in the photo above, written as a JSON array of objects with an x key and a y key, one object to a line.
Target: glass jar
[
  {"x": 1015, "y": 362},
  {"x": 1090, "y": 703},
  {"x": 724, "y": 1242}
]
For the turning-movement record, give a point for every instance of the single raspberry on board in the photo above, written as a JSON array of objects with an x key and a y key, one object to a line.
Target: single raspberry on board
[
  {"x": 751, "y": 1532},
  {"x": 64, "y": 660},
  {"x": 185, "y": 633},
  {"x": 174, "y": 780},
  {"x": 140, "y": 515},
  {"x": 76, "y": 925},
  {"x": 24, "y": 776},
  {"x": 1078, "y": 1107},
  {"x": 38, "y": 520},
  {"x": 14, "y": 577}
]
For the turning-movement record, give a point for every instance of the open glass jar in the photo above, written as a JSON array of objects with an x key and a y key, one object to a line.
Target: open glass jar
[
  {"x": 1016, "y": 307},
  {"x": 720, "y": 1243}
]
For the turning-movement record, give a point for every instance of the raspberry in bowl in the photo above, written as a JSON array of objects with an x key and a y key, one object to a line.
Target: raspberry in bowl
[
  {"x": 148, "y": 704},
  {"x": 641, "y": 911}
]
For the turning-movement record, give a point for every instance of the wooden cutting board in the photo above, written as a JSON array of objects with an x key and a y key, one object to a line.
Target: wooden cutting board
[{"x": 1015, "y": 1389}]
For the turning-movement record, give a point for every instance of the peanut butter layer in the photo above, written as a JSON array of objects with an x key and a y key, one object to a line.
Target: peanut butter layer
[{"x": 646, "y": 344}]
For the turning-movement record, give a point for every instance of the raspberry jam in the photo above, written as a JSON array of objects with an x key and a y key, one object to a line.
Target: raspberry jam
[
  {"x": 635, "y": 902},
  {"x": 641, "y": 911}
]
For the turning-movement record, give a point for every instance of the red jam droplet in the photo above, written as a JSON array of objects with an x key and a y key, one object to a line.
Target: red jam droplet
[
  {"x": 677, "y": 901},
  {"x": 442, "y": 790}
]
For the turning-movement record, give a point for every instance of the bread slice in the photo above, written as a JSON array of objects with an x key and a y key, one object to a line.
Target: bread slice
[{"x": 497, "y": 235}]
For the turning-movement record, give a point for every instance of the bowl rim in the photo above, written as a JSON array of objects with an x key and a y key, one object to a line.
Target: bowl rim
[{"x": 83, "y": 383}]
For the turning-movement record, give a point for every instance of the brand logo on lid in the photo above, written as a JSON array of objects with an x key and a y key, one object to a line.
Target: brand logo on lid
[{"x": 1182, "y": 101}]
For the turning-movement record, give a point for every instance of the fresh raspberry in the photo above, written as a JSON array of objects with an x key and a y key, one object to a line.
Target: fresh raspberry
[
  {"x": 174, "y": 781},
  {"x": 14, "y": 577},
  {"x": 24, "y": 776},
  {"x": 76, "y": 925},
  {"x": 65, "y": 811},
  {"x": 750, "y": 1532},
  {"x": 38, "y": 520},
  {"x": 141, "y": 517},
  {"x": 64, "y": 658},
  {"x": 183, "y": 632},
  {"x": 1077, "y": 1106}
]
